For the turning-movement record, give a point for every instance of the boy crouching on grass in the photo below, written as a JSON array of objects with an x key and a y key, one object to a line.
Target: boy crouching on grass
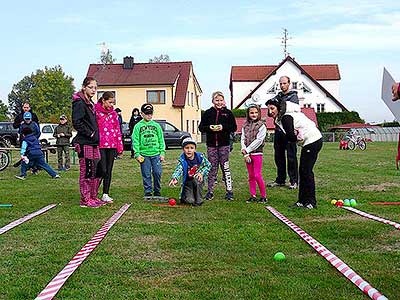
[{"x": 193, "y": 167}]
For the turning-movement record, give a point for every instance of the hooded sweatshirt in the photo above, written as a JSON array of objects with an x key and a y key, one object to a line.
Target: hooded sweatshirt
[
  {"x": 84, "y": 121},
  {"x": 109, "y": 129}
]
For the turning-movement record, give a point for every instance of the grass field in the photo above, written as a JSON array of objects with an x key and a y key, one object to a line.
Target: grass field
[{"x": 221, "y": 250}]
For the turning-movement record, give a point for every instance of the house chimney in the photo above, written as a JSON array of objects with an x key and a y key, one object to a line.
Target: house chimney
[{"x": 128, "y": 62}]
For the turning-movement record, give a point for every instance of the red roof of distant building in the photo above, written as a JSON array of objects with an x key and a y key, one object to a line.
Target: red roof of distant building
[
  {"x": 145, "y": 74},
  {"x": 309, "y": 112},
  {"x": 352, "y": 125},
  {"x": 258, "y": 73}
]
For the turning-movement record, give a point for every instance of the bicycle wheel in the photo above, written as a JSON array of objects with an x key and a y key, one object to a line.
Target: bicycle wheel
[
  {"x": 362, "y": 145},
  {"x": 351, "y": 145},
  {"x": 4, "y": 160}
]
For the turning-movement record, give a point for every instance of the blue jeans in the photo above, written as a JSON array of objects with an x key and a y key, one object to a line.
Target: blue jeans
[
  {"x": 39, "y": 162},
  {"x": 151, "y": 166}
]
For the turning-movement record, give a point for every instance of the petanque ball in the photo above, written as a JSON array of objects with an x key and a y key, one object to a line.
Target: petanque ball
[
  {"x": 279, "y": 256},
  {"x": 172, "y": 202},
  {"x": 353, "y": 202},
  {"x": 333, "y": 202}
]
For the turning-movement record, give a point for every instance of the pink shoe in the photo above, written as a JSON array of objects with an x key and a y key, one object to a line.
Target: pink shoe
[
  {"x": 99, "y": 201},
  {"x": 90, "y": 203}
]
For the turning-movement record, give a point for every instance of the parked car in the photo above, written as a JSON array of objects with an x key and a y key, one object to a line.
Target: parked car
[
  {"x": 9, "y": 134},
  {"x": 46, "y": 134},
  {"x": 173, "y": 136}
]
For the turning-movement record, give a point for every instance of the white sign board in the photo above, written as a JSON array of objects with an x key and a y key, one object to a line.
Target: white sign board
[{"x": 387, "y": 82}]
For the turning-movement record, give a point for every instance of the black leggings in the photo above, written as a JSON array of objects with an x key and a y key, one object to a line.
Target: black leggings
[
  {"x": 308, "y": 157},
  {"x": 105, "y": 167}
]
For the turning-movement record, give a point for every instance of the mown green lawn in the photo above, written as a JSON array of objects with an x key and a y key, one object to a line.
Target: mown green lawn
[{"x": 221, "y": 250}]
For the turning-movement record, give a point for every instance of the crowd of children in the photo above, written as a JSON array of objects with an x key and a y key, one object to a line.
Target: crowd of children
[{"x": 99, "y": 141}]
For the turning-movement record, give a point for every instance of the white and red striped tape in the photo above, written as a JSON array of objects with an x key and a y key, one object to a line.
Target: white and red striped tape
[
  {"x": 372, "y": 217},
  {"x": 363, "y": 285},
  {"x": 58, "y": 281},
  {"x": 26, "y": 218}
]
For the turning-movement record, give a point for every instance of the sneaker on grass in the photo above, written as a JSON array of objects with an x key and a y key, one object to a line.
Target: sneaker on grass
[
  {"x": 275, "y": 184},
  {"x": 229, "y": 196},
  {"x": 263, "y": 200},
  {"x": 90, "y": 203},
  {"x": 251, "y": 199},
  {"x": 293, "y": 186},
  {"x": 209, "y": 196},
  {"x": 296, "y": 205},
  {"x": 20, "y": 177},
  {"x": 107, "y": 198}
]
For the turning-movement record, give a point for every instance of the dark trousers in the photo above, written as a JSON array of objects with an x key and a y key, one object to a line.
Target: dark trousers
[
  {"x": 308, "y": 157},
  {"x": 60, "y": 150},
  {"x": 281, "y": 148},
  {"x": 192, "y": 192},
  {"x": 105, "y": 167}
]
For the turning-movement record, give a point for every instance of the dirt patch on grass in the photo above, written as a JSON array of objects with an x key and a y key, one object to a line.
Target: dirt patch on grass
[{"x": 378, "y": 187}]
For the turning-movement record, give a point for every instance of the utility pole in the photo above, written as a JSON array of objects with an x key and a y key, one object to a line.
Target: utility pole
[{"x": 284, "y": 42}]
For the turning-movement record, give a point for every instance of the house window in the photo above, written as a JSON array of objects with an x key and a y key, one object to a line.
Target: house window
[
  {"x": 188, "y": 98},
  {"x": 193, "y": 127},
  {"x": 307, "y": 105},
  {"x": 191, "y": 99},
  {"x": 187, "y": 125},
  {"x": 320, "y": 107},
  {"x": 156, "y": 97},
  {"x": 100, "y": 93},
  {"x": 306, "y": 89},
  {"x": 294, "y": 85},
  {"x": 198, "y": 123}
]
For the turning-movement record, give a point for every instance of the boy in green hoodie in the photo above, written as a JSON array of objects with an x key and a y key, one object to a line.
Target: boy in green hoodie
[{"x": 149, "y": 147}]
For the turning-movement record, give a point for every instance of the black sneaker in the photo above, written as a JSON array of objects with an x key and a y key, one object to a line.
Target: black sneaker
[
  {"x": 157, "y": 194},
  {"x": 148, "y": 194},
  {"x": 198, "y": 204},
  {"x": 263, "y": 200},
  {"x": 309, "y": 206},
  {"x": 251, "y": 199},
  {"x": 209, "y": 196},
  {"x": 229, "y": 195},
  {"x": 296, "y": 205},
  {"x": 275, "y": 184}
]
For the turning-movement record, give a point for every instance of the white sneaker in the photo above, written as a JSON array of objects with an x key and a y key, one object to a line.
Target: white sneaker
[
  {"x": 107, "y": 198},
  {"x": 293, "y": 186}
]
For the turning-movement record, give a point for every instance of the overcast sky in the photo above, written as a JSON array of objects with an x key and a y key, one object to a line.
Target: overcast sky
[{"x": 360, "y": 36}]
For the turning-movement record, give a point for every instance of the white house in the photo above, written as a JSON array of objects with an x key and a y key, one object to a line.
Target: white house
[{"x": 317, "y": 85}]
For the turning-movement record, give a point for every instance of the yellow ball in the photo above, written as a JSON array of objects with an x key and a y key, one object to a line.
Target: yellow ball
[{"x": 333, "y": 202}]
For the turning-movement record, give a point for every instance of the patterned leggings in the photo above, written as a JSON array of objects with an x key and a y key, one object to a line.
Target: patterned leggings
[
  {"x": 89, "y": 183},
  {"x": 219, "y": 156}
]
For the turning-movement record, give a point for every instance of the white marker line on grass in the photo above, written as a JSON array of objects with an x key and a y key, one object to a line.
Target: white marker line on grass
[
  {"x": 363, "y": 285},
  {"x": 58, "y": 281},
  {"x": 372, "y": 217},
  {"x": 26, "y": 218}
]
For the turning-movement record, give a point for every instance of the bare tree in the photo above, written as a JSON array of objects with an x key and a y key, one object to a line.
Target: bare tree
[
  {"x": 106, "y": 56},
  {"x": 161, "y": 58}
]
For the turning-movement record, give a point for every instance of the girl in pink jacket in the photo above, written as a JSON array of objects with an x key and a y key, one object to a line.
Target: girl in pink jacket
[{"x": 110, "y": 139}]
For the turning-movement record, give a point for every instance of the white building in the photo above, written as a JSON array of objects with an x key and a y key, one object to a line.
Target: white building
[{"x": 317, "y": 85}]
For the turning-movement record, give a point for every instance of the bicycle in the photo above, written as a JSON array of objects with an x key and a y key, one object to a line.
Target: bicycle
[
  {"x": 5, "y": 158},
  {"x": 355, "y": 141}
]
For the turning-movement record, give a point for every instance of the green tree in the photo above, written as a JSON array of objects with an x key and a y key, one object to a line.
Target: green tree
[
  {"x": 48, "y": 91},
  {"x": 3, "y": 112},
  {"x": 20, "y": 94}
]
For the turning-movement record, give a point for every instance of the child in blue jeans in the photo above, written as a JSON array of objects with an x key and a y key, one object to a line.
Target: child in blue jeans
[
  {"x": 193, "y": 167},
  {"x": 32, "y": 155}
]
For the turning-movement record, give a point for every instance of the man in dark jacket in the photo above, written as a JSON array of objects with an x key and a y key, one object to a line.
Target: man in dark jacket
[
  {"x": 20, "y": 117},
  {"x": 63, "y": 133},
  {"x": 218, "y": 123},
  {"x": 281, "y": 144}
]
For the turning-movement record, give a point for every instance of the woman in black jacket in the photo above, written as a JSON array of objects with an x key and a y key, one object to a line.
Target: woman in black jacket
[
  {"x": 86, "y": 143},
  {"x": 218, "y": 123},
  {"x": 135, "y": 118}
]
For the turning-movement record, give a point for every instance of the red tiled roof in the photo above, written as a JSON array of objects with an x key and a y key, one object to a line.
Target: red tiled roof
[
  {"x": 309, "y": 112},
  {"x": 258, "y": 73},
  {"x": 145, "y": 74}
]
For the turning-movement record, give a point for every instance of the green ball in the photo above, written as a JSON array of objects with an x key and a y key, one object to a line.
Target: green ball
[
  {"x": 279, "y": 256},
  {"x": 353, "y": 203},
  {"x": 346, "y": 202}
]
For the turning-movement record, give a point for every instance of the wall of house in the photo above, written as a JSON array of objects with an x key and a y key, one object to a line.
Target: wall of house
[
  {"x": 315, "y": 97},
  {"x": 192, "y": 111},
  {"x": 129, "y": 97},
  {"x": 241, "y": 89},
  {"x": 332, "y": 86}
]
